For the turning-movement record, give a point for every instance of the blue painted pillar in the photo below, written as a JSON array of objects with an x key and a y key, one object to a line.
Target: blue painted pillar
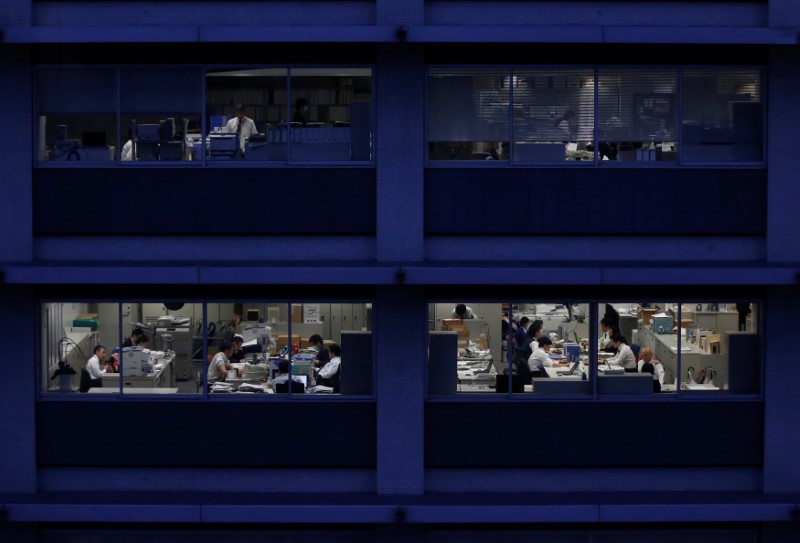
[
  {"x": 783, "y": 198},
  {"x": 400, "y": 317},
  {"x": 782, "y": 403},
  {"x": 17, "y": 402},
  {"x": 399, "y": 152},
  {"x": 16, "y": 215}
]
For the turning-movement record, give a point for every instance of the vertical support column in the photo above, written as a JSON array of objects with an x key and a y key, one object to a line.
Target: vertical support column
[
  {"x": 17, "y": 402},
  {"x": 781, "y": 404},
  {"x": 401, "y": 335},
  {"x": 783, "y": 197},
  {"x": 784, "y": 13},
  {"x": 16, "y": 215},
  {"x": 400, "y": 151}
]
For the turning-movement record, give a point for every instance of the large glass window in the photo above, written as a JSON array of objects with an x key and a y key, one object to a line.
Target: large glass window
[
  {"x": 140, "y": 114},
  {"x": 77, "y": 114},
  {"x": 186, "y": 349},
  {"x": 642, "y": 349},
  {"x": 600, "y": 115},
  {"x": 722, "y": 116},
  {"x": 637, "y": 115},
  {"x": 160, "y": 109},
  {"x": 553, "y": 115}
]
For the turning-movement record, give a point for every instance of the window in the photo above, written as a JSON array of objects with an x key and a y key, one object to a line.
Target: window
[
  {"x": 599, "y": 116},
  {"x": 191, "y": 349},
  {"x": 77, "y": 114},
  {"x": 643, "y": 349},
  {"x": 141, "y": 115}
]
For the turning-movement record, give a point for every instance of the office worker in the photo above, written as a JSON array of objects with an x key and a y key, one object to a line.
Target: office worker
[
  {"x": 95, "y": 365},
  {"x": 142, "y": 342},
  {"x": 462, "y": 311},
  {"x": 300, "y": 110},
  {"x": 131, "y": 341},
  {"x": 242, "y": 125},
  {"x": 127, "y": 150},
  {"x": 649, "y": 364},
  {"x": 220, "y": 365},
  {"x": 540, "y": 357},
  {"x": 323, "y": 354},
  {"x": 522, "y": 331},
  {"x": 607, "y": 329},
  {"x": 330, "y": 372},
  {"x": 238, "y": 352},
  {"x": 283, "y": 376},
  {"x": 523, "y": 352},
  {"x": 624, "y": 356}
]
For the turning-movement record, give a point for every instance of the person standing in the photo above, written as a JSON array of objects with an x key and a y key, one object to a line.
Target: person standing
[{"x": 241, "y": 125}]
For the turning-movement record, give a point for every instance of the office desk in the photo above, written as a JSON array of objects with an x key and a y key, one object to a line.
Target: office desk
[
  {"x": 665, "y": 348},
  {"x": 132, "y": 390}
]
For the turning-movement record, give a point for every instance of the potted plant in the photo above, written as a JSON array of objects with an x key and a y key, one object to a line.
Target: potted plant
[{"x": 64, "y": 372}]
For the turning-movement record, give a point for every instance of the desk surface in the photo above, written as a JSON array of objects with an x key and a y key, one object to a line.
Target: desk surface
[{"x": 133, "y": 390}]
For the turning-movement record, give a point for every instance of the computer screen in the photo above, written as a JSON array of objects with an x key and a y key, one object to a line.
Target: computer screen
[
  {"x": 95, "y": 138},
  {"x": 253, "y": 315}
]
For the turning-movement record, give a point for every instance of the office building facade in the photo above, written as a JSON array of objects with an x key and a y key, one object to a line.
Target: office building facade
[{"x": 405, "y": 156}]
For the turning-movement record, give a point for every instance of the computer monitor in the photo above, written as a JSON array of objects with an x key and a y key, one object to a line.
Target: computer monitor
[
  {"x": 94, "y": 138},
  {"x": 148, "y": 132},
  {"x": 252, "y": 315}
]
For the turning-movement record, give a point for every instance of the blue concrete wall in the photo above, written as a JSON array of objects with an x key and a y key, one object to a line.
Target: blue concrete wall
[
  {"x": 783, "y": 199},
  {"x": 399, "y": 146},
  {"x": 782, "y": 402},
  {"x": 400, "y": 317},
  {"x": 17, "y": 403},
  {"x": 16, "y": 243}
]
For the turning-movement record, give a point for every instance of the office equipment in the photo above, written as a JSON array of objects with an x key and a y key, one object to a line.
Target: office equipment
[
  {"x": 223, "y": 146},
  {"x": 148, "y": 132},
  {"x": 178, "y": 338},
  {"x": 94, "y": 138},
  {"x": 572, "y": 351},
  {"x": 252, "y": 315},
  {"x": 571, "y": 370},
  {"x": 661, "y": 323}
]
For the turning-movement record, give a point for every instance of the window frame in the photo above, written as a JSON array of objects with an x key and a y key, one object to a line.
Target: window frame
[
  {"x": 204, "y": 395},
  {"x": 596, "y": 163},
  {"x": 205, "y": 162}
]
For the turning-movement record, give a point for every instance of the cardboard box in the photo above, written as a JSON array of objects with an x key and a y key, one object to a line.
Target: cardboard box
[
  {"x": 645, "y": 313},
  {"x": 297, "y": 314},
  {"x": 283, "y": 339}
]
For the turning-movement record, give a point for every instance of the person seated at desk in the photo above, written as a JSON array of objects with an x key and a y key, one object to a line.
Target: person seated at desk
[
  {"x": 329, "y": 374},
  {"x": 283, "y": 379},
  {"x": 624, "y": 356},
  {"x": 93, "y": 364},
  {"x": 649, "y": 364},
  {"x": 238, "y": 352},
  {"x": 131, "y": 341},
  {"x": 220, "y": 365},
  {"x": 300, "y": 110},
  {"x": 608, "y": 329},
  {"x": 462, "y": 312},
  {"x": 540, "y": 358},
  {"x": 523, "y": 351}
]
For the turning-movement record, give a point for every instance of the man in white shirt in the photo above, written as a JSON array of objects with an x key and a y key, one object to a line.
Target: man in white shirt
[
  {"x": 328, "y": 375},
  {"x": 241, "y": 125},
  {"x": 540, "y": 358},
  {"x": 93, "y": 366},
  {"x": 658, "y": 370},
  {"x": 462, "y": 312},
  {"x": 220, "y": 364}
]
